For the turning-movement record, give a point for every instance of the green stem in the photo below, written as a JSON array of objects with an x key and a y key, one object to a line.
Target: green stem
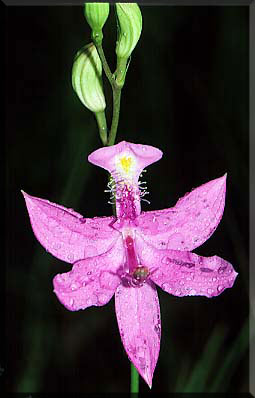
[
  {"x": 102, "y": 126},
  {"x": 115, "y": 116},
  {"x": 121, "y": 71},
  {"x": 134, "y": 387},
  {"x": 117, "y": 81},
  {"x": 105, "y": 65}
]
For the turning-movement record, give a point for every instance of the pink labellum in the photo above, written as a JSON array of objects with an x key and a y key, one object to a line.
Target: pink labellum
[{"x": 138, "y": 157}]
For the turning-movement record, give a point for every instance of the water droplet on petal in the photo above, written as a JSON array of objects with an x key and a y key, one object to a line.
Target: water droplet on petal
[
  {"x": 70, "y": 257},
  {"x": 74, "y": 286},
  {"x": 165, "y": 260},
  {"x": 220, "y": 288},
  {"x": 157, "y": 329},
  {"x": 204, "y": 269},
  {"x": 221, "y": 270},
  {"x": 192, "y": 292},
  {"x": 142, "y": 362},
  {"x": 209, "y": 291},
  {"x": 165, "y": 286},
  {"x": 102, "y": 299},
  {"x": 56, "y": 246}
]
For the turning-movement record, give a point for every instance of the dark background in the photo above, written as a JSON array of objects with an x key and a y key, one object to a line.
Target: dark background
[{"x": 186, "y": 92}]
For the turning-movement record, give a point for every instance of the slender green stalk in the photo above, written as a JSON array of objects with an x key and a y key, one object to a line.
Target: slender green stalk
[
  {"x": 115, "y": 116},
  {"x": 121, "y": 71},
  {"x": 105, "y": 65},
  {"x": 134, "y": 380},
  {"x": 102, "y": 126},
  {"x": 117, "y": 81}
]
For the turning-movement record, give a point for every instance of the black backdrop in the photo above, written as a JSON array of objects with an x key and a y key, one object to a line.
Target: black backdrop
[{"x": 186, "y": 92}]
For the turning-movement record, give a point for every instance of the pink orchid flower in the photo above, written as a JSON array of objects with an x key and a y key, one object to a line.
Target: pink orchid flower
[{"x": 128, "y": 255}]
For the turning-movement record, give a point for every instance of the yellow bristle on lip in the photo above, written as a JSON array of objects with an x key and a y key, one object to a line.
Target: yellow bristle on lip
[{"x": 126, "y": 163}]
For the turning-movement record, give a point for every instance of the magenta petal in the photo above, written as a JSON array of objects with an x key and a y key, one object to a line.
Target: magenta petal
[
  {"x": 92, "y": 281},
  {"x": 65, "y": 233},
  {"x": 190, "y": 222},
  {"x": 183, "y": 273},
  {"x": 138, "y": 315}
]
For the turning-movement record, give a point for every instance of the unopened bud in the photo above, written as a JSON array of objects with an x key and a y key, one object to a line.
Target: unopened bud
[
  {"x": 96, "y": 15},
  {"x": 87, "y": 78},
  {"x": 130, "y": 28}
]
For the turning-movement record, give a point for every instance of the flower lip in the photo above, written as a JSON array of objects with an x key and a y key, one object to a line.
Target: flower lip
[{"x": 125, "y": 160}]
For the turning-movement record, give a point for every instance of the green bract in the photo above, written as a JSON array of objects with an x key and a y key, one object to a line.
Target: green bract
[
  {"x": 96, "y": 15},
  {"x": 130, "y": 27},
  {"x": 87, "y": 78}
]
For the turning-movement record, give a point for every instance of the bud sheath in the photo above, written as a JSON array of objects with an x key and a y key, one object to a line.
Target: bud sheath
[
  {"x": 87, "y": 78},
  {"x": 130, "y": 28},
  {"x": 96, "y": 15}
]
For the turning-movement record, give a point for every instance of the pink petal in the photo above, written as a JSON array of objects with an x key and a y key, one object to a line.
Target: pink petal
[
  {"x": 190, "y": 222},
  {"x": 65, "y": 233},
  {"x": 143, "y": 154},
  {"x": 138, "y": 315},
  {"x": 183, "y": 273},
  {"x": 92, "y": 281}
]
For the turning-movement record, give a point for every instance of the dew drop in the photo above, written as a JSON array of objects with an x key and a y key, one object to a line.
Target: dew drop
[
  {"x": 220, "y": 288},
  {"x": 221, "y": 270},
  {"x": 165, "y": 286},
  {"x": 209, "y": 291},
  {"x": 165, "y": 260},
  {"x": 74, "y": 286},
  {"x": 204, "y": 269},
  {"x": 193, "y": 292},
  {"x": 142, "y": 362},
  {"x": 157, "y": 329},
  {"x": 56, "y": 246},
  {"x": 102, "y": 299},
  {"x": 70, "y": 257}
]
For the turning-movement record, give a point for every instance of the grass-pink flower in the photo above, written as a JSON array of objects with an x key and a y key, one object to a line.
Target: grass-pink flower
[{"x": 127, "y": 255}]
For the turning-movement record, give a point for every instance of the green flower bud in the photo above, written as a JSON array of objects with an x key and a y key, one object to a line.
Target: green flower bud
[
  {"x": 96, "y": 15},
  {"x": 87, "y": 78},
  {"x": 130, "y": 28}
]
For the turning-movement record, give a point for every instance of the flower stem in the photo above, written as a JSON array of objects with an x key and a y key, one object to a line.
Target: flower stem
[
  {"x": 134, "y": 382},
  {"x": 116, "y": 80},
  {"x": 102, "y": 126},
  {"x": 105, "y": 65},
  {"x": 115, "y": 116}
]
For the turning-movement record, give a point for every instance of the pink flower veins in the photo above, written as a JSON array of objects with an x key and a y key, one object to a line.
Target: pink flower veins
[{"x": 129, "y": 254}]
